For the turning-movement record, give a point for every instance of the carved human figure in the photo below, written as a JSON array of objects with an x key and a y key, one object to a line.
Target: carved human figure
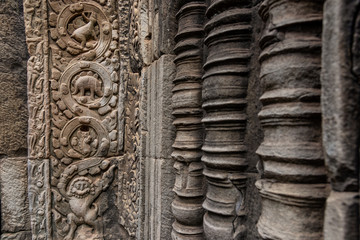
[
  {"x": 86, "y": 32},
  {"x": 81, "y": 196}
]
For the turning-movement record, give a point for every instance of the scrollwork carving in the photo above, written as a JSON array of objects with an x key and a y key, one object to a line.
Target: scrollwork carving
[{"x": 74, "y": 92}]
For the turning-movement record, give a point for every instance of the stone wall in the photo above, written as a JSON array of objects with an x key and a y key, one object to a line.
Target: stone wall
[
  {"x": 213, "y": 119},
  {"x": 15, "y": 221},
  {"x": 156, "y": 33}
]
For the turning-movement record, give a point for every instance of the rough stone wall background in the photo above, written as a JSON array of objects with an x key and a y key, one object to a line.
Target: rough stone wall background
[
  {"x": 341, "y": 126},
  {"x": 157, "y": 29},
  {"x": 254, "y": 133},
  {"x": 15, "y": 222}
]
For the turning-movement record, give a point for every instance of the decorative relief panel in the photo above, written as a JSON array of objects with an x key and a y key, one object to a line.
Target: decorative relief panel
[{"x": 76, "y": 101}]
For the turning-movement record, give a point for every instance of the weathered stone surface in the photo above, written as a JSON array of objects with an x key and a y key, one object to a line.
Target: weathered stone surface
[
  {"x": 26, "y": 235},
  {"x": 157, "y": 28},
  {"x": 159, "y": 181},
  {"x": 225, "y": 84},
  {"x": 158, "y": 79},
  {"x": 86, "y": 120},
  {"x": 342, "y": 216},
  {"x": 294, "y": 186},
  {"x": 13, "y": 192},
  {"x": 13, "y": 56},
  {"x": 189, "y": 184},
  {"x": 79, "y": 174},
  {"x": 157, "y": 133},
  {"x": 254, "y": 133},
  {"x": 341, "y": 93},
  {"x": 341, "y": 117}
]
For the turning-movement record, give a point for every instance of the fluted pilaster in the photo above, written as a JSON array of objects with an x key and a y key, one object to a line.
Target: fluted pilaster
[
  {"x": 293, "y": 189},
  {"x": 224, "y": 94},
  {"x": 189, "y": 185}
]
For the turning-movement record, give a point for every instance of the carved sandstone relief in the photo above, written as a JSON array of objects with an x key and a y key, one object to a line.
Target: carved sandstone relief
[
  {"x": 189, "y": 183},
  {"x": 75, "y": 122},
  {"x": 293, "y": 187},
  {"x": 130, "y": 176},
  {"x": 225, "y": 83}
]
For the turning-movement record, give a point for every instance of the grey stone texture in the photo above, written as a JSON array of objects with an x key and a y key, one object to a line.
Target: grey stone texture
[
  {"x": 26, "y": 235},
  {"x": 13, "y": 190},
  {"x": 13, "y": 57},
  {"x": 14, "y": 207},
  {"x": 342, "y": 216},
  {"x": 157, "y": 28},
  {"x": 341, "y": 117},
  {"x": 294, "y": 181},
  {"x": 157, "y": 133}
]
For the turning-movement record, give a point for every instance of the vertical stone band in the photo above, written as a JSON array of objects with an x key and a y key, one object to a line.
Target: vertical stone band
[
  {"x": 340, "y": 99},
  {"x": 75, "y": 132},
  {"x": 189, "y": 184},
  {"x": 225, "y": 82},
  {"x": 293, "y": 189}
]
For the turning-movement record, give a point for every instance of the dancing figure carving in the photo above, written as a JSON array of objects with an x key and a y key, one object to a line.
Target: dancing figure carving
[{"x": 81, "y": 197}]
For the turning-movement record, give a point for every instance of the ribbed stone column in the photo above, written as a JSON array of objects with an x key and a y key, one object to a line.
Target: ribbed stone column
[
  {"x": 224, "y": 91},
  {"x": 293, "y": 189},
  {"x": 189, "y": 185}
]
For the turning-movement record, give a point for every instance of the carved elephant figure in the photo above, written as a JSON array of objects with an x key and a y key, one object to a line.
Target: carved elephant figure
[{"x": 88, "y": 83}]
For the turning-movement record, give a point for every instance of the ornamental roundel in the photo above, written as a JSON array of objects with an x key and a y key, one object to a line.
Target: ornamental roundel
[
  {"x": 86, "y": 85},
  {"x": 84, "y": 137},
  {"x": 84, "y": 27}
]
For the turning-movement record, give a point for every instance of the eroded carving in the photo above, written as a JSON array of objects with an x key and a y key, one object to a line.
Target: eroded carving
[
  {"x": 77, "y": 197},
  {"x": 82, "y": 27},
  {"x": 86, "y": 87},
  {"x": 74, "y": 99},
  {"x": 84, "y": 137},
  {"x": 38, "y": 198}
]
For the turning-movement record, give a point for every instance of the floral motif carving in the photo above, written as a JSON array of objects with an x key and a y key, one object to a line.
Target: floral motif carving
[{"x": 38, "y": 198}]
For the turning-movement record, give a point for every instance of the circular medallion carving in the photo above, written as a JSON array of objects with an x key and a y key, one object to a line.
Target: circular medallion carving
[
  {"x": 83, "y": 27},
  {"x": 85, "y": 84},
  {"x": 84, "y": 137}
]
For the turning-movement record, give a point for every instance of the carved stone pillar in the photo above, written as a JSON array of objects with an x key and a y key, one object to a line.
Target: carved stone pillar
[
  {"x": 76, "y": 102},
  {"x": 225, "y": 84},
  {"x": 341, "y": 117},
  {"x": 189, "y": 183},
  {"x": 293, "y": 187}
]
